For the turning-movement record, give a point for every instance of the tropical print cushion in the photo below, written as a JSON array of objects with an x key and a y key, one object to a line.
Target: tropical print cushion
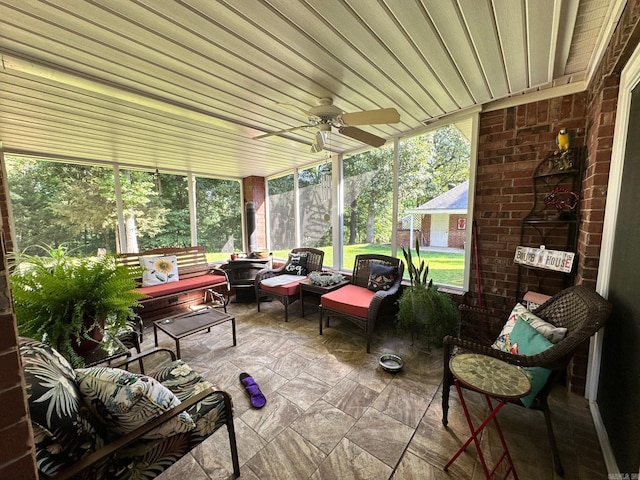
[
  {"x": 381, "y": 277},
  {"x": 159, "y": 270},
  {"x": 124, "y": 401},
  {"x": 297, "y": 264},
  {"x": 209, "y": 414},
  {"x": 63, "y": 428}
]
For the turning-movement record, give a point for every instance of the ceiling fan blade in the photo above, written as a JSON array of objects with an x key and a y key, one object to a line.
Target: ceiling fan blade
[
  {"x": 297, "y": 109},
  {"x": 265, "y": 135},
  {"x": 370, "y": 117},
  {"x": 362, "y": 136}
]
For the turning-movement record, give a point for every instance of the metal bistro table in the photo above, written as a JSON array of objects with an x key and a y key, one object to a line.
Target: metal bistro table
[
  {"x": 180, "y": 326},
  {"x": 494, "y": 379}
]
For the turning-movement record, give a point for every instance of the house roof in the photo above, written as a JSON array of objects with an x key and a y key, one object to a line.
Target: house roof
[
  {"x": 186, "y": 86},
  {"x": 454, "y": 200}
]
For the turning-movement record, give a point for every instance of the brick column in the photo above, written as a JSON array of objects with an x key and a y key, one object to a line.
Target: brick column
[
  {"x": 17, "y": 453},
  {"x": 254, "y": 191}
]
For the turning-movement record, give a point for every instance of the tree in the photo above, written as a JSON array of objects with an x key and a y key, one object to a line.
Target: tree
[
  {"x": 55, "y": 203},
  {"x": 219, "y": 214}
]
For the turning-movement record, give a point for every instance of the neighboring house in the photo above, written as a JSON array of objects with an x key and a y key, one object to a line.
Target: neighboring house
[{"x": 442, "y": 221}]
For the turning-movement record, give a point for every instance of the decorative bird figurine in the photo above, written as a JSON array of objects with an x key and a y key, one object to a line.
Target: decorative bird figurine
[{"x": 563, "y": 140}]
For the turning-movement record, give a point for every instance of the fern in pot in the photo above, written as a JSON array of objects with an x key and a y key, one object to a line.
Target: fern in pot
[
  {"x": 69, "y": 302},
  {"x": 423, "y": 311}
]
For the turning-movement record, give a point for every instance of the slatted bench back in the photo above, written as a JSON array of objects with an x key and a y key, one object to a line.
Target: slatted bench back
[{"x": 192, "y": 261}]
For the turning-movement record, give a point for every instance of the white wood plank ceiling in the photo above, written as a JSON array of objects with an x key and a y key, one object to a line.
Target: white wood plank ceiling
[{"x": 185, "y": 85}]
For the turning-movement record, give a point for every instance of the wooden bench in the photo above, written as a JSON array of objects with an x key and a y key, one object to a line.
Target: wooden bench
[{"x": 197, "y": 278}]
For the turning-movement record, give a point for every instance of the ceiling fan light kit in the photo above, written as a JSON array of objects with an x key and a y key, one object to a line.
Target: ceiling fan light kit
[
  {"x": 325, "y": 115},
  {"x": 318, "y": 142}
]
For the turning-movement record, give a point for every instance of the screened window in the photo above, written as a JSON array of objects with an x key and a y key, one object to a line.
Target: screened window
[
  {"x": 56, "y": 203},
  {"x": 368, "y": 204},
  {"x": 218, "y": 216},
  {"x": 433, "y": 185},
  {"x": 314, "y": 186},
  {"x": 281, "y": 215}
]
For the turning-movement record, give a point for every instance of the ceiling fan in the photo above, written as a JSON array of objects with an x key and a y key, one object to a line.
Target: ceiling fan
[{"x": 326, "y": 116}]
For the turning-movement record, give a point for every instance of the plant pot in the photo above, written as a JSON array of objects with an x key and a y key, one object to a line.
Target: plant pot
[{"x": 86, "y": 346}]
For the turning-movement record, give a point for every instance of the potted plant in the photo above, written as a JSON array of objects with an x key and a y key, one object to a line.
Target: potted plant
[
  {"x": 68, "y": 301},
  {"x": 423, "y": 310}
]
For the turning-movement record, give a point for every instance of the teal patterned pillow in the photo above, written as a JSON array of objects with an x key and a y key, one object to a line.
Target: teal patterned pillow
[
  {"x": 124, "y": 401},
  {"x": 526, "y": 340}
]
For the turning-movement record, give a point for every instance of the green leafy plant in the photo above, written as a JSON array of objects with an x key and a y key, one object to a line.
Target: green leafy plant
[
  {"x": 62, "y": 299},
  {"x": 424, "y": 311}
]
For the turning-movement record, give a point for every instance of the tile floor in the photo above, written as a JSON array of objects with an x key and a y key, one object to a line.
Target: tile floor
[{"x": 332, "y": 413}]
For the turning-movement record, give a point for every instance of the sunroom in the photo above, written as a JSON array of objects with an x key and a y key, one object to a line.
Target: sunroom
[{"x": 284, "y": 108}]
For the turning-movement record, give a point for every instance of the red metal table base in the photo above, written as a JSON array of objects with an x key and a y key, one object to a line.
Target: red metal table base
[{"x": 474, "y": 436}]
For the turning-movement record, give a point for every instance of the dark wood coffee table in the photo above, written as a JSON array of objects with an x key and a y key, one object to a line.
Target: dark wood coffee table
[
  {"x": 180, "y": 326},
  {"x": 307, "y": 287}
]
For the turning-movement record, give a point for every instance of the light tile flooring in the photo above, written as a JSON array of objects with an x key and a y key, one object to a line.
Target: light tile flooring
[{"x": 332, "y": 413}]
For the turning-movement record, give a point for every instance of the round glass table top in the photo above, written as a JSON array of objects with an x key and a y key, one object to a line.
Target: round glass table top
[{"x": 489, "y": 375}]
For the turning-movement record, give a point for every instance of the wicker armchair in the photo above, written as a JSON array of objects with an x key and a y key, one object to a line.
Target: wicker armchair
[
  {"x": 356, "y": 302},
  {"x": 289, "y": 292},
  {"x": 579, "y": 309}
]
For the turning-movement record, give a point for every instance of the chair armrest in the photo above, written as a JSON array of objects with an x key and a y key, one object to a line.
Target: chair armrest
[
  {"x": 553, "y": 358},
  {"x": 220, "y": 271},
  {"x": 380, "y": 297},
  {"x": 131, "y": 437},
  {"x": 139, "y": 357},
  {"x": 268, "y": 273}
]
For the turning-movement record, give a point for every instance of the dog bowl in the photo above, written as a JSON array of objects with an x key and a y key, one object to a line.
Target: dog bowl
[{"x": 391, "y": 363}]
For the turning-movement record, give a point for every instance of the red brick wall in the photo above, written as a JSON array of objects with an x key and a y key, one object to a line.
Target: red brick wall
[
  {"x": 602, "y": 102},
  {"x": 511, "y": 144},
  {"x": 403, "y": 238},
  {"x": 456, "y": 235},
  {"x": 17, "y": 455},
  {"x": 254, "y": 191}
]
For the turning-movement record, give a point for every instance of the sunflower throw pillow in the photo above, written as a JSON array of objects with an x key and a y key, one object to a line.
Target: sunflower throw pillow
[{"x": 159, "y": 270}]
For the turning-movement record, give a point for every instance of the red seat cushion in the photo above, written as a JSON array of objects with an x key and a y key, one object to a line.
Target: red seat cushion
[
  {"x": 285, "y": 290},
  {"x": 350, "y": 299},
  {"x": 182, "y": 285}
]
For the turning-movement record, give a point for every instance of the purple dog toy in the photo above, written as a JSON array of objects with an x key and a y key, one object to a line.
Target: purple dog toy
[{"x": 256, "y": 397}]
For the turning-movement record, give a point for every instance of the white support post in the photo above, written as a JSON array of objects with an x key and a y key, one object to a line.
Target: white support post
[
  {"x": 191, "y": 187},
  {"x": 122, "y": 235}
]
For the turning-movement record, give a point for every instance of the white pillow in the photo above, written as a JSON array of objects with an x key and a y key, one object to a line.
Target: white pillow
[
  {"x": 159, "y": 270},
  {"x": 124, "y": 401},
  {"x": 549, "y": 331}
]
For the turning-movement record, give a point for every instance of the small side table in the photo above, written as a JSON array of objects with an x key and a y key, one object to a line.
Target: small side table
[
  {"x": 496, "y": 380},
  {"x": 318, "y": 290}
]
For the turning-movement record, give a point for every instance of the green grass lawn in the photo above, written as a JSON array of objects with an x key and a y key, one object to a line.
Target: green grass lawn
[{"x": 444, "y": 268}]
